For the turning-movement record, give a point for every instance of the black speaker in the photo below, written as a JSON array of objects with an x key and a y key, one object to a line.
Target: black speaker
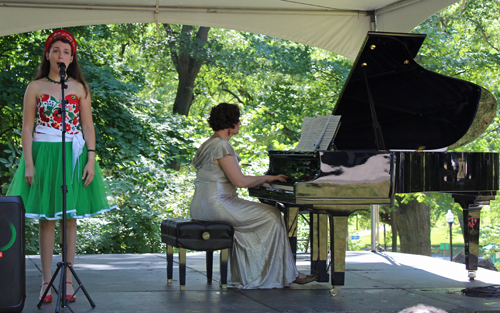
[{"x": 12, "y": 259}]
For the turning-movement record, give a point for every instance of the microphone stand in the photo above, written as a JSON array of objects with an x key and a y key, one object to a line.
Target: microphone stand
[{"x": 61, "y": 294}]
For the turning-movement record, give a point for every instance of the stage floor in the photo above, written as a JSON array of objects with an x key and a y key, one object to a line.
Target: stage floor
[{"x": 375, "y": 282}]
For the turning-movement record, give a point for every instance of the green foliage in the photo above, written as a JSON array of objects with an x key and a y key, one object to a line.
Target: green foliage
[
  {"x": 17, "y": 66},
  {"x": 354, "y": 244},
  {"x": 146, "y": 196},
  {"x": 490, "y": 231},
  {"x": 31, "y": 236},
  {"x": 275, "y": 82},
  {"x": 439, "y": 203},
  {"x": 303, "y": 240},
  {"x": 488, "y": 239}
]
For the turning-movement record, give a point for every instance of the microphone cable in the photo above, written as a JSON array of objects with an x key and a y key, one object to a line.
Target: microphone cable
[{"x": 483, "y": 292}]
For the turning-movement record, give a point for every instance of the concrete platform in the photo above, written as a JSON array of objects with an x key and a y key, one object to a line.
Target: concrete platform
[{"x": 375, "y": 282}]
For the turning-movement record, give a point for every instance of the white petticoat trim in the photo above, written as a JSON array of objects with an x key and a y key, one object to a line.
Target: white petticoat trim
[{"x": 72, "y": 214}]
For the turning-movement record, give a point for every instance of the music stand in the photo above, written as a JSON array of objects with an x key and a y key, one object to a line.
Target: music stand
[{"x": 61, "y": 294}]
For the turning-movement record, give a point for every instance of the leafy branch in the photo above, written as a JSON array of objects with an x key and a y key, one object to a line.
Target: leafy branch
[
  {"x": 486, "y": 37},
  {"x": 234, "y": 95}
]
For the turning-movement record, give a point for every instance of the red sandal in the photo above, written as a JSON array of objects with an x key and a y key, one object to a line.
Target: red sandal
[
  {"x": 68, "y": 297},
  {"x": 48, "y": 298}
]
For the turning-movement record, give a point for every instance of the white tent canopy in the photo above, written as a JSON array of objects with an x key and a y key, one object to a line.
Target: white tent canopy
[{"x": 335, "y": 25}]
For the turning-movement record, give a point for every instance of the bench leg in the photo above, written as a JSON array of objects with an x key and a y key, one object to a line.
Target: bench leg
[
  {"x": 170, "y": 264},
  {"x": 210, "y": 262},
  {"x": 224, "y": 254},
  {"x": 182, "y": 268}
]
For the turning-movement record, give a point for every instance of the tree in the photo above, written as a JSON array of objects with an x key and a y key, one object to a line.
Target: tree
[
  {"x": 413, "y": 225},
  {"x": 187, "y": 55}
]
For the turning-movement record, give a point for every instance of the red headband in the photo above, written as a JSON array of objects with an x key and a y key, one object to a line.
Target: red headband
[{"x": 61, "y": 34}]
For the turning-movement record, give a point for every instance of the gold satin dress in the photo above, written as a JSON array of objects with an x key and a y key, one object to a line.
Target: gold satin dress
[{"x": 261, "y": 256}]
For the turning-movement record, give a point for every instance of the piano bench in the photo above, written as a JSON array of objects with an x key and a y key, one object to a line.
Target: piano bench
[{"x": 199, "y": 236}]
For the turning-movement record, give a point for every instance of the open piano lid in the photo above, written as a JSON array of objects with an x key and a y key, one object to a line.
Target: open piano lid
[{"x": 416, "y": 108}]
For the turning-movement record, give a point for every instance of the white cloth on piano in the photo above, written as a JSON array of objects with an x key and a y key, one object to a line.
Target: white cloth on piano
[{"x": 261, "y": 256}]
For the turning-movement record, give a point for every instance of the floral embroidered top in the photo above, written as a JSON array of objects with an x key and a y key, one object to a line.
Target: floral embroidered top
[{"x": 48, "y": 113}]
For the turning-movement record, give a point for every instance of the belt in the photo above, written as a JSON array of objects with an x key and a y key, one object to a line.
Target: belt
[{"x": 49, "y": 134}]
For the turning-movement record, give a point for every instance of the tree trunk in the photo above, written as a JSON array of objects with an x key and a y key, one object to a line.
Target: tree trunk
[
  {"x": 414, "y": 227},
  {"x": 187, "y": 63},
  {"x": 186, "y": 53}
]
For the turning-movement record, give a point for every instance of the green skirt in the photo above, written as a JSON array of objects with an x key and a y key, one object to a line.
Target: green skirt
[{"x": 44, "y": 198}]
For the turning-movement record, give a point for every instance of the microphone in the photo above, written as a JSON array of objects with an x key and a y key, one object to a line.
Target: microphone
[{"x": 62, "y": 70}]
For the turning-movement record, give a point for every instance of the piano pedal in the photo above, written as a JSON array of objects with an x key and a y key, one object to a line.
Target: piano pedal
[
  {"x": 472, "y": 275},
  {"x": 335, "y": 291}
]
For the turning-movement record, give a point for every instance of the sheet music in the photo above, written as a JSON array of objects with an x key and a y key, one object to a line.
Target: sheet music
[
  {"x": 322, "y": 134},
  {"x": 307, "y": 136},
  {"x": 330, "y": 131},
  {"x": 317, "y": 132}
]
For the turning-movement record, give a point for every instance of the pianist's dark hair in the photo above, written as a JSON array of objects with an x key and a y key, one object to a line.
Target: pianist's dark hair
[{"x": 224, "y": 115}]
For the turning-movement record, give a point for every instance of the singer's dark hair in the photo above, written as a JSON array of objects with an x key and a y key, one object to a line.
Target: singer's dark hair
[{"x": 74, "y": 71}]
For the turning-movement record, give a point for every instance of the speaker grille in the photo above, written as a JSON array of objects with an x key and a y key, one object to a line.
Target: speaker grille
[{"x": 12, "y": 262}]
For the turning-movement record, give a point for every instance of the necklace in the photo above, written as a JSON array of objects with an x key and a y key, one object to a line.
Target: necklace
[{"x": 55, "y": 81}]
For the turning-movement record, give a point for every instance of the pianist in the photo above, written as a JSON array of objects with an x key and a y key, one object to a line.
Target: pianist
[{"x": 261, "y": 256}]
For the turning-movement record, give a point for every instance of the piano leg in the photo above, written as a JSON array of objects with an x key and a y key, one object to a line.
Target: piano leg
[
  {"x": 291, "y": 215},
  {"x": 471, "y": 207},
  {"x": 471, "y": 238},
  {"x": 318, "y": 230},
  {"x": 338, "y": 247}
]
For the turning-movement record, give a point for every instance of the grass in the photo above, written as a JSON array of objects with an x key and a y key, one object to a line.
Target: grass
[{"x": 438, "y": 235}]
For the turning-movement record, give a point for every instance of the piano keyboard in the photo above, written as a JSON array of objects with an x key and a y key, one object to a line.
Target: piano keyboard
[{"x": 278, "y": 187}]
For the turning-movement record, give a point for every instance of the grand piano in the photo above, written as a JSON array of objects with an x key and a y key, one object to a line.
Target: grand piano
[{"x": 397, "y": 122}]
